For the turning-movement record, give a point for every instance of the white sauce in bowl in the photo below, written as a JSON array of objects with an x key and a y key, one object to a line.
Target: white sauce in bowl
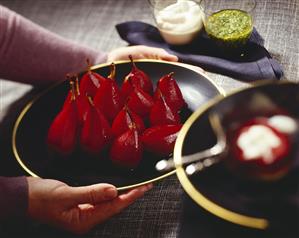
[
  {"x": 258, "y": 142},
  {"x": 180, "y": 22},
  {"x": 283, "y": 124}
]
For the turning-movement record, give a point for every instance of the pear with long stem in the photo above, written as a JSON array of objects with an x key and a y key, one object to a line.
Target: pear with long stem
[
  {"x": 168, "y": 87},
  {"x": 82, "y": 102},
  {"x": 80, "y": 99},
  {"x": 124, "y": 120},
  {"x": 96, "y": 133},
  {"x": 90, "y": 81},
  {"x": 126, "y": 150},
  {"x": 136, "y": 78},
  {"x": 62, "y": 134},
  {"x": 108, "y": 98},
  {"x": 162, "y": 114},
  {"x": 140, "y": 102},
  {"x": 160, "y": 140}
]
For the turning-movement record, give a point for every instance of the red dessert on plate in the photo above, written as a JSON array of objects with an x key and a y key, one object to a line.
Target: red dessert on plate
[{"x": 261, "y": 148}]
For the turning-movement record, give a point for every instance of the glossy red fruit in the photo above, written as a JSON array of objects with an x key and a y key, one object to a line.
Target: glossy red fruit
[
  {"x": 162, "y": 114},
  {"x": 126, "y": 150},
  {"x": 136, "y": 78},
  {"x": 90, "y": 82},
  {"x": 127, "y": 88},
  {"x": 140, "y": 102},
  {"x": 63, "y": 132},
  {"x": 126, "y": 120},
  {"x": 171, "y": 92},
  {"x": 260, "y": 151},
  {"x": 82, "y": 102},
  {"x": 160, "y": 139},
  {"x": 108, "y": 98},
  {"x": 96, "y": 133}
]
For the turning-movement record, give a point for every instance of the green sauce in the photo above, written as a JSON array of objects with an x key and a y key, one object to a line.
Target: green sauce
[{"x": 230, "y": 27}]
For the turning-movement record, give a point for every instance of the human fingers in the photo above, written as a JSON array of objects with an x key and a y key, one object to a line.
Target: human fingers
[
  {"x": 154, "y": 53},
  {"x": 92, "y": 194},
  {"x": 169, "y": 57},
  {"x": 125, "y": 199},
  {"x": 133, "y": 194},
  {"x": 163, "y": 55},
  {"x": 193, "y": 67},
  {"x": 140, "y": 52},
  {"x": 107, "y": 209}
]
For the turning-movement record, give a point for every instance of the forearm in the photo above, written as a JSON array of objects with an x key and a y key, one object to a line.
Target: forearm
[
  {"x": 32, "y": 54},
  {"x": 13, "y": 197}
]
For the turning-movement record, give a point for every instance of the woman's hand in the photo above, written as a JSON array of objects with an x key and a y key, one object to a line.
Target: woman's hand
[
  {"x": 140, "y": 52},
  {"x": 76, "y": 209}
]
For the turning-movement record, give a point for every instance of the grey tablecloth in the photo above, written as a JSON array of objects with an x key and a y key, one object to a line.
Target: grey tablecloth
[{"x": 92, "y": 23}]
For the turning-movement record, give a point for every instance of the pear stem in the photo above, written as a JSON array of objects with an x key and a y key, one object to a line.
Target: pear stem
[
  {"x": 112, "y": 71},
  {"x": 73, "y": 92},
  {"x": 77, "y": 85},
  {"x": 131, "y": 58},
  {"x": 128, "y": 78},
  {"x": 170, "y": 74},
  {"x": 132, "y": 61}
]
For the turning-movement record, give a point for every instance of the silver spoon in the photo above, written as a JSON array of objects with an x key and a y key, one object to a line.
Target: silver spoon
[{"x": 203, "y": 159}]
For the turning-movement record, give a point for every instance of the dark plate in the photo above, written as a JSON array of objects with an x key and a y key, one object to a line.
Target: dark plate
[
  {"x": 224, "y": 193},
  {"x": 31, "y": 128}
]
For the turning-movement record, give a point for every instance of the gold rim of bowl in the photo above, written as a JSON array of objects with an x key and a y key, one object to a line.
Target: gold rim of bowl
[{"x": 194, "y": 193}]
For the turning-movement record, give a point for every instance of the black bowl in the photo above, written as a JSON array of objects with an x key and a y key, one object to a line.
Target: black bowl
[
  {"x": 219, "y": 190},
  {"x": 30, "y": 131}
]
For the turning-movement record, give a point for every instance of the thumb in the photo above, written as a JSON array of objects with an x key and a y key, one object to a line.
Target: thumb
[
  {"x": 169, "y": 57},
  {"x": 162, "y": 54},
  {"x": 92, "y": 194}
]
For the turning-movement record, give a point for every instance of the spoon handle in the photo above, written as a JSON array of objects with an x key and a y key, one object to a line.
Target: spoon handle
[{"x": 206, "y": 155}]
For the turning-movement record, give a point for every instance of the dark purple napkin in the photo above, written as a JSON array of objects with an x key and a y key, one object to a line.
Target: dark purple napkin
[{"x": 253, "y": 63}]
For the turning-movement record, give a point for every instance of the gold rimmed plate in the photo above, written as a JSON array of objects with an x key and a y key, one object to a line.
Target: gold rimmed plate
[
  {"x": 219, "y": 190},
  {"x": 31, "y": 127}
]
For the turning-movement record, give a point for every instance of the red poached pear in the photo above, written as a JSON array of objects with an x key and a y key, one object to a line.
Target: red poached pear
[
  {"x": 160, "y": 139},
  {"x": 171, "y": 92},
  {"x": 82, "y": 102},
  {"x": 90, "y": 82},
  {"x": 63, "y": 132},
  {"x": 125, "y": 120},
  {"x": 108, "y": 98},
  {"x": 162, "y": 114},
  {"x": 96, "y": 132},
  {"x": 260, "y": 151},
  {"x": 126, "y": 150},
  {"x": 136, "y": 78},
  {"x": 140, "y": 102},
  {"x": 126, "y": 88}
]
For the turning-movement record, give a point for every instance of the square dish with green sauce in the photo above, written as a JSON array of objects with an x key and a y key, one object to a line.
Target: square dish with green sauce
[{"x": 230, "y": 28}]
